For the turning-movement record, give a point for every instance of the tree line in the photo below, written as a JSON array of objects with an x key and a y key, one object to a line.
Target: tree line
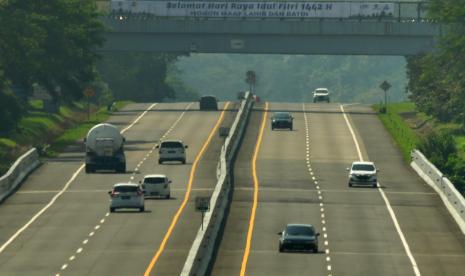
[
  {"x": 52, "y": 44},
  {"x": 437, "y": 87}
]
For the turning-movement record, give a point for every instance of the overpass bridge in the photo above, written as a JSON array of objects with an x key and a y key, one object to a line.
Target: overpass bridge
[{"x": 403, "y": 29}]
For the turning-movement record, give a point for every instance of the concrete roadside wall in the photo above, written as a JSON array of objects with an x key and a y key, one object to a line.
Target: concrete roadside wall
[
  {"x": 16, "y": 174},
  {"x": 453, "y": 200},
  {"x": 203, "y": 248}
]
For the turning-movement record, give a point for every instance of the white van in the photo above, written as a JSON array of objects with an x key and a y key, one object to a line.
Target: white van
[
  {"x": 171, "y": 150},
  {"x": 156, "y": 185}
]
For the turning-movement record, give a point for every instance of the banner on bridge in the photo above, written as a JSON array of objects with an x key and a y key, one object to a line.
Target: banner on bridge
[{"x": 254, "y": 9}]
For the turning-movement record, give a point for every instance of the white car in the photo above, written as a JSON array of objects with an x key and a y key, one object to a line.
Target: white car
[
  {"x": 126, "y": 195},
  {"x": 156, "y": 185},
  {"x": 171, "y": 150},
  {"x": 321, "y": 95},
  {"x": 363, "y": 173}
]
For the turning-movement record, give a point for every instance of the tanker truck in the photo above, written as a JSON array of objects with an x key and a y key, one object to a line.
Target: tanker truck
[{"x": 104, "y": 149}]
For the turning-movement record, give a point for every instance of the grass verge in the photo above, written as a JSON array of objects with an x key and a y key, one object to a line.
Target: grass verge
[
  {"x": 39, "y": 128},
  {"x": 405, "y": 137}
]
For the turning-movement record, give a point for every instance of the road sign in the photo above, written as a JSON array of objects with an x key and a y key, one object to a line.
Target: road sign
[
  {"x": 385, "y": 85},
  {"x": 89, "y": 92},
  {"x": 202, "y": 204}
]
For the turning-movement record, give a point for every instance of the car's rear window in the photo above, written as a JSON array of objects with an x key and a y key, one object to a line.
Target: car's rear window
[
  {"x": 171, "y": 145},
  {"x": 125, "y": 189},
  {"x": 154, "y": 180},
  {"x": 300, "y": 231},
  {"x": 208, "y": 98},
  {"x": 282, "y": 115},
  {"x": 363, "y": 167},
  {"x": 322, "y": 91}
]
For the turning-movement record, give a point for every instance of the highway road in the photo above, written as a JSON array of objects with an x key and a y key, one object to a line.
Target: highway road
[
  {"x": 58, "y": 223},
  {"x": 399, "y": 228}
]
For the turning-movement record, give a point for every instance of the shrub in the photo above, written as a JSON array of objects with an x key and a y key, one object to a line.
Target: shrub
[{"x": 11, "y": 111}]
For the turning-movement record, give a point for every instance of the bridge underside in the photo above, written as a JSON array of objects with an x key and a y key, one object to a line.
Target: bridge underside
[{"x": 272, "y": 37}]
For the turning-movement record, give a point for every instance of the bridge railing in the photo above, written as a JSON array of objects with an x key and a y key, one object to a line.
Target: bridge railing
[
  {"x": 453, "y": 200},
  {"x": 401, "y": 11},
  {"x": 18, "y": 172}
]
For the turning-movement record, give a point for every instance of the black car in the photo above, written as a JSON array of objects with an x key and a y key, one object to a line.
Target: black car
[
  {"x": 282, "y": 120},
  {"x": 299, "y": 237},
  {"x": 208, "y": 103}
]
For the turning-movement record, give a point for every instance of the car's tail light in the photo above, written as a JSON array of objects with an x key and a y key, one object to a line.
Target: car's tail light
[{"x": 114, "y": 194}]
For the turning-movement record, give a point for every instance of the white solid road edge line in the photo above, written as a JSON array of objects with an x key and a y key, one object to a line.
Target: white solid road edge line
[
  {"x": 15, "y": 235},
  {"x": 52, "y": 201},
  {"x": 416, "y": 270}
]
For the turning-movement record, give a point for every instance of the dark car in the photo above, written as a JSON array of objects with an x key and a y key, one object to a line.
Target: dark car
[
  {"x": 281, "y": 120},
  {"x": 208, "y": 103},
  {"x": 299, "y": 237}
]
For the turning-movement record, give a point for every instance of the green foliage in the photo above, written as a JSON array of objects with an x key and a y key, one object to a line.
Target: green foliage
[
  {"x": 447, "y": 11},
  {"x": 438, "y": 147},
  {"x": 437, "y": 80},
  {"x": 182, "y": 92},
  {"x": 444, "y": 146},
  {"x": 405, "y": 138},
  {"x": 441, "y": 150},
  {"x": 50, "y": 43},
  {"x": 292, "y": 78},
  {"x": 138, "y": 76},
  {"x": 11, "y": 111}
]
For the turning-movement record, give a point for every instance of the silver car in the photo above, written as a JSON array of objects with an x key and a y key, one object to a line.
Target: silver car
[
  {"x": 126, "y": 195},
  {"x": 171, "y": 150},
  {"x": 156, "y": 185},
  {"x": 321, "y": 95},
  {"x": 299, "y": 237},
  {"x": 363, "y": 173}
]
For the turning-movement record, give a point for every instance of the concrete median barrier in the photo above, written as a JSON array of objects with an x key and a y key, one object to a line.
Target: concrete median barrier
[
  {"x": 453, "y": 200},
  {"x": 201, "y": 254},
  {"x": 18, "y": 171}
]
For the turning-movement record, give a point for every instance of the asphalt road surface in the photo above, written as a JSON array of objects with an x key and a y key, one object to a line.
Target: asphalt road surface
[
  {"x": 302, "y": 178},
  {"x": 75, "y": 235}
]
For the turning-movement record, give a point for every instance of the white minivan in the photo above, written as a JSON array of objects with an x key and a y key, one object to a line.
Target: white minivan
[
  {"x": 171, "y": 150},
  {"x": 156, "y": 185}
]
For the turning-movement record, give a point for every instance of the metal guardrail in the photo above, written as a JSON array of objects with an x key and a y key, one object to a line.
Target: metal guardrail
[
  {"x": 18, "y": 171},
  {"x": 203, "y": 248},
  {"x": 404, "y": 11},
  {"x": 453, "y": 200}
]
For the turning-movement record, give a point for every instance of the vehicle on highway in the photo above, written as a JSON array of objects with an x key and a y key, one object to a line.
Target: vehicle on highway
[
  {"x": 363, "y": 173},
  {"x": 299, "y": 237},
  {"x": 156, "y": 185},
  {"x": 282, "y": 120},
  {"x": 105, "y": 149},
  {"x": 321, "y": 95},
  {"x": 208, "y": 103},
  {"x": 126, "y": 195},
  {"x": 171, "y": 150}
]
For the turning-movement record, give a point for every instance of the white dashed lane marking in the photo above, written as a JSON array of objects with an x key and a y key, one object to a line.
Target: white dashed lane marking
[
  {"x": 80, "y": 249},
  {"x": 320, "y": 197}
]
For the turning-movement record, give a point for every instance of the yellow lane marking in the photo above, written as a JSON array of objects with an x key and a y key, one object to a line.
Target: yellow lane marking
[
  {"x": 186, "y": 195},
  {"x": 245, "y": 258}
]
